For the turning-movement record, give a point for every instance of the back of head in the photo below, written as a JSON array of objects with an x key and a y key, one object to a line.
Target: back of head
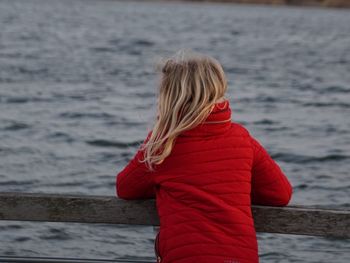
[{"x": 191, "y": 83}]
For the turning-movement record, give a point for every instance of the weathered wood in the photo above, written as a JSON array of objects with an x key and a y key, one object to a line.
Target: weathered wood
[
  {"x": 14, "y": 259},
  {"x": 302, "y": 221},
  {"x": 70, "y": 208},
  {"x": 112, "y": 210}
]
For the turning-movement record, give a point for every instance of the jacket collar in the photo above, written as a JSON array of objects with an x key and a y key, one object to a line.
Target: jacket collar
[{"x": 218, "y": 121}]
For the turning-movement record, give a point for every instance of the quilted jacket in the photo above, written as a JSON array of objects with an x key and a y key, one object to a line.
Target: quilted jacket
[{"x": 204, "y": 190}]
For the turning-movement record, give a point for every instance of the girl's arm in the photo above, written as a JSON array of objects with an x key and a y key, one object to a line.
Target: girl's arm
[
  {"x": 135, "y": 181},
  {"x": 269, "y": 184}
]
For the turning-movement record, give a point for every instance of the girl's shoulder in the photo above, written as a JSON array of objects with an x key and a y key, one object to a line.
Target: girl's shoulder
[{"x": 240, "y": 129}]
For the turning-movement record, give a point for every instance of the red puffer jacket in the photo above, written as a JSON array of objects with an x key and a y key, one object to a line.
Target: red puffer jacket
[{"x": 204, "y": 190}]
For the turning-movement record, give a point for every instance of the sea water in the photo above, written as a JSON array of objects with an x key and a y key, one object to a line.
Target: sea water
[{"x": 77, "y": 95}]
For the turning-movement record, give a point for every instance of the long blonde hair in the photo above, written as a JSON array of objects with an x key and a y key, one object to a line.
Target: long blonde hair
[{"x": 191, "y": 83}]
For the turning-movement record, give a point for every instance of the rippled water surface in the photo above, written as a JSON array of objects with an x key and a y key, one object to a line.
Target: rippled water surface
[{"x": 77, "y": 95}]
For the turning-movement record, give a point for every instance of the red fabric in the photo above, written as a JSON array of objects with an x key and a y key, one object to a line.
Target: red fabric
[{"x": 204, "y": 190}]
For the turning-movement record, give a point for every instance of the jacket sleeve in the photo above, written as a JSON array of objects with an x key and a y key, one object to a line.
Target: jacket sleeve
[
  {"x": 269, "y": 184},
  {"x": 135, "y": 181}
]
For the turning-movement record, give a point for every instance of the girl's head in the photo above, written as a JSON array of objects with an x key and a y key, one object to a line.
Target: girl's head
[{"x": 190, "y": 85}]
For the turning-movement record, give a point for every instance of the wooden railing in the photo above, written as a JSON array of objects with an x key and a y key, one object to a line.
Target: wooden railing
[{"x": 298, "y": 220}]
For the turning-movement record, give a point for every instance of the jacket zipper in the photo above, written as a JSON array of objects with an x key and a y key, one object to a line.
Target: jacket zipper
[{"x": 156, "y": 249}]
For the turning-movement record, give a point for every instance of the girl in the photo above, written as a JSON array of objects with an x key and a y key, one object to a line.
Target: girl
[{"x": 204, "y": 170}]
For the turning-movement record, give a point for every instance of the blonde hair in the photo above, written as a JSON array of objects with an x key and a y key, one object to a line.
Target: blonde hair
[{"x": 191, "y": 83}]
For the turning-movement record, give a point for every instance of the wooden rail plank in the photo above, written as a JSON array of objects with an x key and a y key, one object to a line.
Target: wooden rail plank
[
  {"x": 112, "y": 210},
  {"x": 16, "y": 259}
]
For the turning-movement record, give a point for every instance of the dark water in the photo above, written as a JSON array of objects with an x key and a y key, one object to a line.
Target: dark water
[{"x": 77, "y": 94}]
